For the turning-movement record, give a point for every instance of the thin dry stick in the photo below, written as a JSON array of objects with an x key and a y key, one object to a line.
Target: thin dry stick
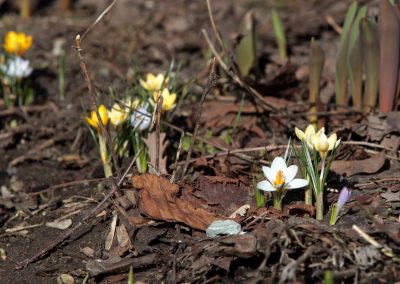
[
  {"x": 235, "y": 77},
  {"x": 99, "y": 18},
  {"x": 65, "y": 184},
  {"x": 201, "y": 139},
  {"x": 94, "y": 104},
  {"x": 68, "y": 233},
  {"x": 210, "y": 85},
  {"x": 159, "y": 110},
  {"x": 217, "y": 35},
  {"x": 178, "y": 154},
  {"x": 243, "y": 150}
]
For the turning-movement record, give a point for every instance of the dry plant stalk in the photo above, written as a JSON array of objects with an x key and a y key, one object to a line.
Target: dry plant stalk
[
  {"x": 210, "y": 85},
  {"x": 95, "y": 105}
]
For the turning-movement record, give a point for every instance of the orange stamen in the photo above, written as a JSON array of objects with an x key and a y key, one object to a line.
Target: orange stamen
[{"x": 279, "y": 179}]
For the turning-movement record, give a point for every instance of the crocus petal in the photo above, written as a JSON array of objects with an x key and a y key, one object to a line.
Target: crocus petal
[
  {"x": 269, "y": 173},
  {"x": 343, "y": 197},
  {"x": 143, "y": 83},
  {"x": 278, "y": 164},
  {"x": 310, "y": 130},
  {"x": 332, "y": 141},
  {"x": 297, "y": 183},
  {"x": 300, "y": 134},
  {"x": 266, "y": 186},
  {"x": 290, "y": 173}
]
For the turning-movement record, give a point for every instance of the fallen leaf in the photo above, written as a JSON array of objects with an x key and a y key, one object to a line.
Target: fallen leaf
[
  {"x": 123, "y": 237},
  {"x": 61, "y": 225},
  {"x": 110, "y": 236},
  {"x": 367, "y": 166},
  {"x": 159, "y": 200},
  {"x": 391, "y": 196},
  {"x": 228, "y": 193},
  {"x": 379, "y": 125}
]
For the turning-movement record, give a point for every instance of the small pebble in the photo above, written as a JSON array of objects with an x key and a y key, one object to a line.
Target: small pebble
[{"x": 223, "y": 227}]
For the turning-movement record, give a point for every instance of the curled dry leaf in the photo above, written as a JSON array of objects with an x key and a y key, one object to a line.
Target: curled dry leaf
[
  {"x": 367, "y": 166},
  {"x": 159, "y": 200}
]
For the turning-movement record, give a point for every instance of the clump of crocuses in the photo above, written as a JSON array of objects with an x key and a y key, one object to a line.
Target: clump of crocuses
[
  {"x": 14, "y": 69},
  {"x": 131, "y": 118},
  {"x": 315, "y": 157}
]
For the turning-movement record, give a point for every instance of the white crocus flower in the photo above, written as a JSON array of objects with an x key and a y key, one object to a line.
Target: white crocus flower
[
  {"x": 280, "y": 177},
  {"x": 141, "y": 119},
  {"x": 17, "y": 67}
]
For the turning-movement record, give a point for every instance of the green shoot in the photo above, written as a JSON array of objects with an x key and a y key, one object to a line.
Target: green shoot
[
  {"x": 279, "y": 34},
  {"x": 355, "y": 63},
  {"x": 246, "y": 49},
  {"x": 341, "y": 63}
]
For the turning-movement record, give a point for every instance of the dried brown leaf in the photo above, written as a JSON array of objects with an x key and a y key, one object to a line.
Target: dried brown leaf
[
  {"x": 367, "y": 166},
  {"x": 160, "y": 200}
]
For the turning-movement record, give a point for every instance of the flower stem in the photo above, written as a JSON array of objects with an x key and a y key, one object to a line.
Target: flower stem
[
  {"x": 141, "y": 161},
  {"x": 277, "y": 200},
  {"x": 308, "y": 193},
  {"x": 319, "y": 204},
  {"x": 319, "y": 198},
  {"x": 105, "y": 156}
]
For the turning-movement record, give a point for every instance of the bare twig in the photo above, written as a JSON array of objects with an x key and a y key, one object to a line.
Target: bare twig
[
  {"x": 178, "y": 154},
  {"x": 68, "y": 233},
  {"x": 159, "y": 110},
  {"x": 92, "y": 97},
  {"x": 99, "y": 18},
  {"x": 210, "y": 85},
  {"x": 217, "y": 35},
  {"x": 235, "y": 77}
]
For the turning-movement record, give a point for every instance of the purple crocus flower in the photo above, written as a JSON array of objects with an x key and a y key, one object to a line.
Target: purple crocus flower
[{"x": 343, "y": 197}]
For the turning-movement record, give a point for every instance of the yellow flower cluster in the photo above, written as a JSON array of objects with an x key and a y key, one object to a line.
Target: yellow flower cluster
[
  {"x": 94, "y": 122},
  {"x": 318, "y": 141},
  {"x": 17, "y": 43},
  {"x": 154, "y": 85}
]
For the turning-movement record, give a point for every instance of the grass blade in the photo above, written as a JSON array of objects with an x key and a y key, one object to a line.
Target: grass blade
[{"x": 341, "y": 63}]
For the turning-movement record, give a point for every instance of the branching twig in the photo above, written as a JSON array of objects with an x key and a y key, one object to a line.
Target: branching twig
[
  {"x": 210, "y": 85},
  {"x": 94, "y": 104},
  {"x": 235, "y": 77}
]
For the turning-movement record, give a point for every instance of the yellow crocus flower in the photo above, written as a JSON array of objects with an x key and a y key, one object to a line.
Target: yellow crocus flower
[
  {"x": 323, "y": 144},
  {"x": 308, "y": 134},
  {"x": 118, "y": 114},
  {"x": 17, "y": 43},
  {"x": 168, "y": 99},
  {"x": 93, "y": 121},
  {"x": 153, "y": 83}
]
